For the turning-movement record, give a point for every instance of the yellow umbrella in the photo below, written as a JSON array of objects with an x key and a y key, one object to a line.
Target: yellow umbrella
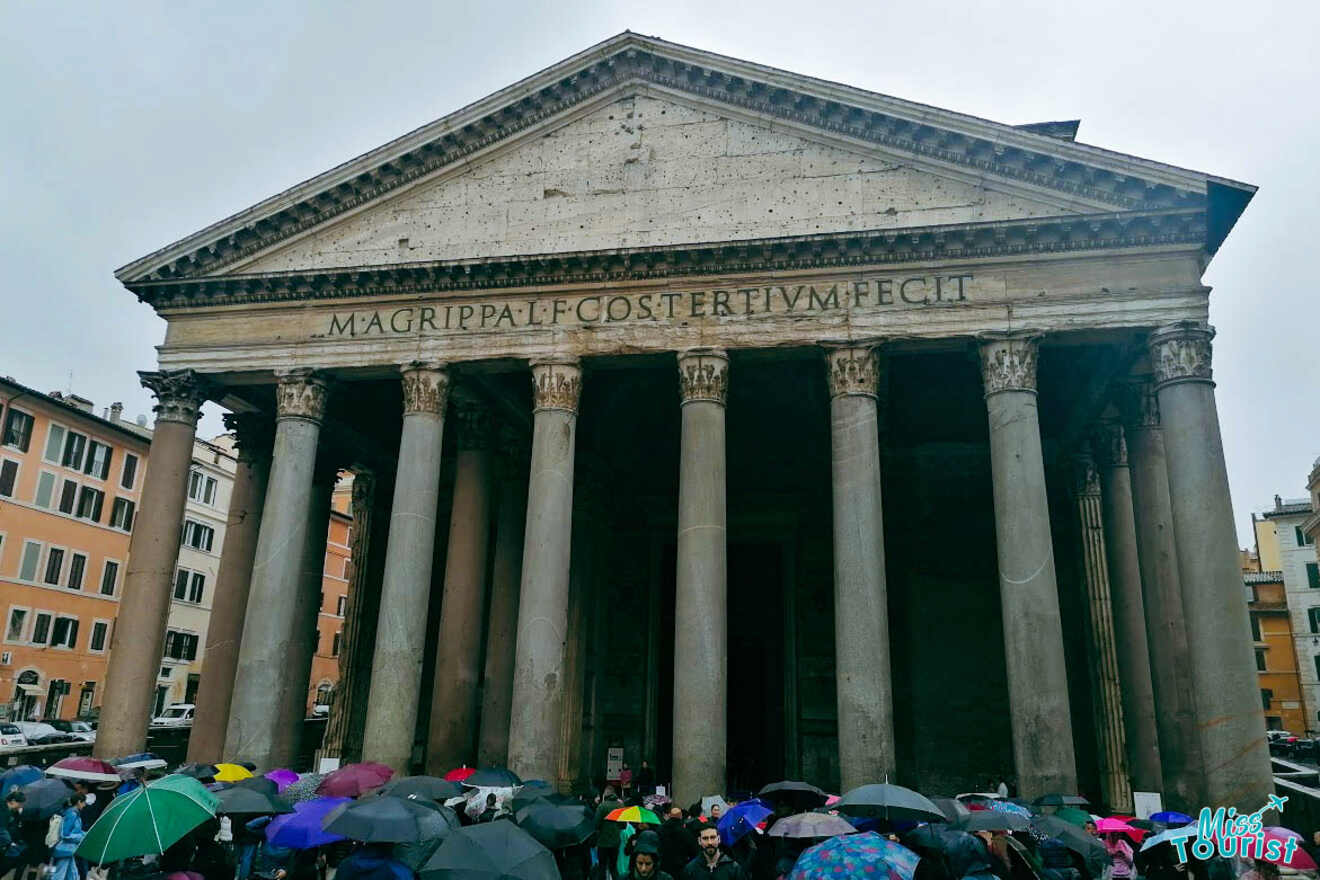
[{"x": 231, "y": 773}]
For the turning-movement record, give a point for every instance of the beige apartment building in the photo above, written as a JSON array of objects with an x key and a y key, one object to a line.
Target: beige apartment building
[{"x": 1284, "y": 547}]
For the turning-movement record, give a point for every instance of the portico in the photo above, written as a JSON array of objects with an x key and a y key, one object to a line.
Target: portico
[{"x": 767, "y": 396}]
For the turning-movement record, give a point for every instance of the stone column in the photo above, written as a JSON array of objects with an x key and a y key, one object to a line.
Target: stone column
[
  {"x": 1106, "y": 691},
  {"x": 253, "y": 433},
  {"x": 1180, "y": 743},
  {"x": 264, "y": 686},
  {"x": 538, "y": 676},
  {"x": 1235, "y": 762},
  {"x": 861, "y": 609},
  {"x": 1033, "y": 630},
  {"x": 406, "y": 593},
  {"x": 153, "y": 550},
  {"x": 1143, "y": 745},
  {"x": 453, "y": 732},
  {"x": 701, "y": 593},
  {"x": 502, "y": 628}
]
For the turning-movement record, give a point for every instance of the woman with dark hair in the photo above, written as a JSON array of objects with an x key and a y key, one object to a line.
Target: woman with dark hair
[{"x": 70, "y": 835}]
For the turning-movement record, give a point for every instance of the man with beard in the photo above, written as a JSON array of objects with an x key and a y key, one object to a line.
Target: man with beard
[{"x": 712, "y": 863}]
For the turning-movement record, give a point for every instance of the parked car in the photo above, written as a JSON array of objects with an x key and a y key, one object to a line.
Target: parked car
[
  {"x": 39, "y": 733},
  {"x": 79, "y": 730},
  {"x": 11, "y": 736},
  {"x": 175, "y": 715}
]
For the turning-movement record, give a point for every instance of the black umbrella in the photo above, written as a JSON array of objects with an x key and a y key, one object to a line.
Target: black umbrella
[
  {"x": 1061, "y": 800},
  {"x": 490, "y": 851},
  {"x": 493, "y": 777},
  {"x": 531, "y": 792},
  {"x": 45, "y": 798},
  {"x": 557, "y": 825},
  {"x": 260, "y": 784},
  {"x": 961, "y": 853},
  {"x": 430, "y": 787},
  {"x": 239, "y": 801},
  {"x": 885, "y": 801},
  {"x": 378, "y": 820},
  {"x": 799, "y": 795},
  {"x": 994, "y": 820},
  {"x": 953, "y": 809},
  {"x": 1091, "y": 850},
  {"x": 200, "y": 772},
  {"x": 439, "y": 824}
]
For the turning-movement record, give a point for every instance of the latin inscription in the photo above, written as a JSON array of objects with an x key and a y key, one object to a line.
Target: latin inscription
[{"x": 914, "y": 291}]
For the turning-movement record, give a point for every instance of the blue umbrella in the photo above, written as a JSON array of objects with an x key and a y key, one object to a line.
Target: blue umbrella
[
  {"x": 738, "y": 822},
  {"x": 1170, "y": 817},
  {"x": 301, "y": 829},
  {"x": 18, "y": 776},
  {"x": 1169, "y": 836}
]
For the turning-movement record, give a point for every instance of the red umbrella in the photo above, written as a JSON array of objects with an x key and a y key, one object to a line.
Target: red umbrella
[
  {"x": 84, "y": 769},
  {"x": 460, "y": 774},
  {"x": 1301, "y": 859},
  {"x": 353, "y": 780}
]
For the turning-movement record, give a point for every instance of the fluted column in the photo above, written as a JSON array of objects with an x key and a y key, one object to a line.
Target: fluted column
[
  {"x": 144, "y": 604},
  {"x": 538, "y": 677},
  {"x": 253, "y": 434},
  {"x": 1235, "y": 762},
  {"x": 1033, "y": 629},
  {"x": 1106, "y": 691},
  {"x": 701, "y": 593},
  {"x": 453, "y": 731},
  {"x": 1143, "y": 745},
  {"x": 1166, "y": 630},
  {"x": 396, "y": 674},
  {"x": 861, "y": 610},
  {"x": 502, "y": 626}
]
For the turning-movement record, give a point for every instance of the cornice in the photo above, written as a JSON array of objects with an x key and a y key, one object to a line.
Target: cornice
[
  {"x": 979, "y": 146},
  {"x": 1043, "y": 236}
]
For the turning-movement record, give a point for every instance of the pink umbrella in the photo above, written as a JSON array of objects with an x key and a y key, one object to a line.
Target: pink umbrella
[
  {"x": 832, "y": 800},
  {"x": 353, "y": 780},
  {"x": 1108, "y": 825},
  {"x": 1301, "y": 859},
  {"x": 85, "y": 770},
  {"x": 282, "y": 778}
]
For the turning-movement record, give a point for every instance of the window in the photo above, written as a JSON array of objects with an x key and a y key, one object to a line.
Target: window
[
  {"x": 316, "y": 649},
  {"x": 18, "y": 429},
  {"x": 129, "y": 474},
  {"x": 1265, "y": 696},
  {"x": 339, "y": 605},
  {"x": 89, "y": 503},
  {"x": 8, "y": 476},
  {"x": 100, "y": 629},
  {"x": 75, "y": 445},
  {"x": 27, "y": 568},
  {"x": 109, "y": 575},
  {"x": 180, "y": 645},
  {"x": 54, "y": 444},
  {"x": 1255, "y": 628},
  {"x": 77, "y": 568},
  {"x": 1316, "y": 658},
  {"x": 121, "y": 514},
  {"x": 1260, "y": 660},
  {"x": 1303, "y": 539},
  {"x": 65, "y": 632},
  {"x": 197, "y": 536},
  {"x": 41, "y": 628},
  {"x": 98, "y": 460},
  {"x": 181, "y": 583},
  {"x": 68, "y": 496},
  {"x": 201, "y": 487},
  {"x": 1313, "y": 615},
  {"x": 197, "y": 587},
  {"x": 325, "y": 692},
  {"x": 1313, "y": 575},
  {"x": 17, "y": 622},
  {"x": 54, "y": 566},
  {"x": 334, "y": 645},
  {"x": 45, "y": 490},
  {"x": 189, "y": 585}
]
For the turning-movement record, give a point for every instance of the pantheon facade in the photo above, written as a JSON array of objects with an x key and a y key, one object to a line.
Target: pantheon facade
[{"x": 759, "y": 425}]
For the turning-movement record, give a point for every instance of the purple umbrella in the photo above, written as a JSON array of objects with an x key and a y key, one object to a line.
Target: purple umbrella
[
  {"x": 301, "y": 829},
  {"x": 282, "y": 778}
]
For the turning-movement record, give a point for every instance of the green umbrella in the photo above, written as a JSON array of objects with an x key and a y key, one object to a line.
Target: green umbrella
[
  {"x": 148, "y": 820},
  {"x": 1073, "y": 816}
]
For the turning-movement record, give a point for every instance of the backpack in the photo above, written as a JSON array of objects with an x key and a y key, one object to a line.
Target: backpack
[{"x": 54, "y": 830}]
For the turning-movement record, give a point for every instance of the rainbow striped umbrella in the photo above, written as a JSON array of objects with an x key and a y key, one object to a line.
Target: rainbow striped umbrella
[{"x": 633, "y": 814}]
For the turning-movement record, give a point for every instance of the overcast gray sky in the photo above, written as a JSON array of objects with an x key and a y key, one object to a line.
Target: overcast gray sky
[{"x": 128, "y": 125}]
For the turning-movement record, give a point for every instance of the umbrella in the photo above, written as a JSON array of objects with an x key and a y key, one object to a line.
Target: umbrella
[
  {"x": 1301, "y": 860},
  {"x": 282, "y": 778},
  {"x": 459, "y": 774},
  {"x": 952, "y": 808},
  {"x": 531, "y": 792},
  {"x": 490, "y": 851},
  {"x": 204, "y": 772},
  {"x": 1169, "y": 836},
  {"x": 15, "y": 777},
  {"x": 45, "y": 798},
  {"x": 557, "y": 825},
  {"x": 961, "y": 853},
  {"x": 1073, "y": 816},
  {"x": 855, "y": 855},
  {"x": 885, "y": 801},
  {"x": 244, "y": 800},
  {"x": 1110, "y": 825},
  {"x": 799, "y": 795},
  {"x": 259, "y": 783},
  {"x": 304, "y": 789},
  {"x": 1003, "y": 806},
  {"x": 353, "y": 780},
  {"x": 808, "y": 825},
  {"x": 492, "y": 777},
  {"x": 651, "y": 801},
  {"x": 148, "y": 820},
  {"x": 140, "y": 761},
  {"x": 378, "y": 820},
  {"x": 301, "y": 829},
  {"x": 633, "y": 814},
  {"x": 993, "y": 820},
  {"x": 1091, "y": 849},
  {"x": 84, "y": 769},
  {"x": 1061, "y": 800},
  {"x": 429, "y": 787},
  {"x": 1171, "y": 817},
  {"x": 231, "y": 773},
  {"x": 435, "y": 827},
  {"x": 739, "y": 821}
]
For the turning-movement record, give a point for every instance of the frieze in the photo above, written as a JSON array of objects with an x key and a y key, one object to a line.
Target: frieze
[
  {"x": 300, "y": 394},
  {"x": 1008, "y": 363},
  {"x": 179, "y": 394},
  {"x": 425, "y": 388},
  {"x": 556, "y": 385},
  {"x": 852, "y": 370},
  {"x": 1181, "y": 353},
  {"x": 703, "y": 375}
]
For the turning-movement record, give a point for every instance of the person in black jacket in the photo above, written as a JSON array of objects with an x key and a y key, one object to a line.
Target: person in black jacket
[
  {"x": 712, "y": 863},
  {"x": 678, "y": 846},
  {"x": 12, "y": 844}
]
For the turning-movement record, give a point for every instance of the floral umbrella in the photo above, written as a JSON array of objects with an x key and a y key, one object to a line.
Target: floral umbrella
[{"x": 855, "y": 855}]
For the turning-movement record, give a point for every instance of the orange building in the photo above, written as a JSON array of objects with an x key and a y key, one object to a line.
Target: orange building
[
  {"x": 1276, "y": 659},
  {"x": 69, "y": 484},
  {"x": 334, "y": 598}
]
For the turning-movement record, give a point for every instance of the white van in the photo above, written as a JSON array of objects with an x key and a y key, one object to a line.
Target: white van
[{"x": 175, "y": 715}]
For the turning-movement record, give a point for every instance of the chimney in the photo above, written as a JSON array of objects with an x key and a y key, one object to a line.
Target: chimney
[{"x": 116, "y": 411}]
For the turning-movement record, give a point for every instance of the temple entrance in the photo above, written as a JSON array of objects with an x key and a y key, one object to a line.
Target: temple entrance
[{"x": 756, "y": 711}]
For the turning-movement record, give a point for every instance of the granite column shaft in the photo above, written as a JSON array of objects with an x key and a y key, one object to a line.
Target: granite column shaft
[{"x": 502, "y": 625}]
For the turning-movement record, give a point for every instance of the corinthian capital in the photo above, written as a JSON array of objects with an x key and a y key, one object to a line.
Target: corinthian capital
[
  {"x": 556, "y": 385},
  {"x": 1181, "y": 352},
  {"x": 852, "y": 370},
  {"x": 1085, "y": 476},
  {"x": 179, "y": 394},
  {"x": 1138, "y": 404},
  {"x": 300, "y": 394},
  {"x": 703, "y": 374},
  {"x": 254, "y": 434},
  {"x": 1109, "y": 444},
  {"x": 1008, "y": 362},
  {"x": 425, "y": 388}
]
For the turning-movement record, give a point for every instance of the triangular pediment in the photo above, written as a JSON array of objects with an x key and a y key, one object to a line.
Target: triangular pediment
[{"x": 646, "y": 171}]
